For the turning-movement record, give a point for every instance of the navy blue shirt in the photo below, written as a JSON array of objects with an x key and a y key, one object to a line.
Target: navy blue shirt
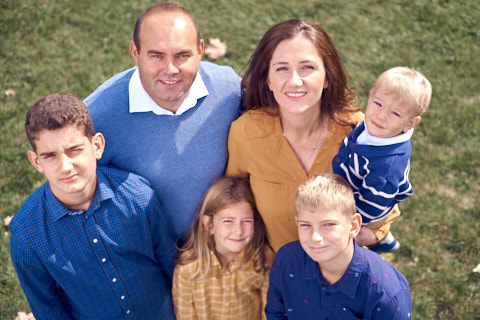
[
  {"x": 371, "y": 288},
  {"x": 113, "y": 261}
]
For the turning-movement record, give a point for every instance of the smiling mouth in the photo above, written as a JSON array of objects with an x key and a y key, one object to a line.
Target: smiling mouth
[
  {"x": 169, "y": 82},
  {"x": 376, "y": 124},
  {"x": 295, "y": 94},
  {"x": 318, "y": 248}
]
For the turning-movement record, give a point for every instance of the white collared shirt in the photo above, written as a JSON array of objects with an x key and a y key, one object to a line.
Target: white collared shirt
[
  {"x": 140, "y": 100},
  {"x": 366, "y": 138}
]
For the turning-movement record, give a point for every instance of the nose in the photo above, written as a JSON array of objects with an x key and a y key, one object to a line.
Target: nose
[
  {"x": 295, "y": 79},
  {"x": 381, "y": 114},
  {"x": 65, "y": 163},
  {"x": 316, "y": 236},
  {"x": 238, "y": 228},
  {"x": 170, "y": 67}
]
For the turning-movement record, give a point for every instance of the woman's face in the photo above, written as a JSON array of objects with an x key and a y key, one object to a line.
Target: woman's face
[{"x": 297, "y": 76}]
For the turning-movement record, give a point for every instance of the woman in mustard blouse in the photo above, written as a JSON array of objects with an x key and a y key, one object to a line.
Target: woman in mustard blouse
[{"x": 297, "y": 111}]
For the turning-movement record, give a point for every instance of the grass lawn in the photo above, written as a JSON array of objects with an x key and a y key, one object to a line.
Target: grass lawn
[{"x": 73, "y": 46}]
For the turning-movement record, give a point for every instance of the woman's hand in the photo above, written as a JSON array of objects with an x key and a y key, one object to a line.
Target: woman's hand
[{"x": 366, "y": 237}]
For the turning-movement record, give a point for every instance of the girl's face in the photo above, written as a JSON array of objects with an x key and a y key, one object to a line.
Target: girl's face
[{"x": 232, "y": 230}]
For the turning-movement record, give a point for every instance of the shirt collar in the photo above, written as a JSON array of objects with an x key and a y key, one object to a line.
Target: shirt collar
[
  {"x": 348, "y": 283},
  {"x": 140, "y": 100},
  {"x": 102, "y": 192},
  {"x": 232, "y": 267},
  {"x": 366, "y": 138}
]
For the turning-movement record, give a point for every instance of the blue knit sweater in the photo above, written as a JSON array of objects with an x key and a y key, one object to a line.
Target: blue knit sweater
[
  {"x": 377, "y": 174},
  {"x": 181, "y": 155}
]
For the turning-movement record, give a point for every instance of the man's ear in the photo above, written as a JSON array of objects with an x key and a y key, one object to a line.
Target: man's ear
[
  {"x": 134, "y": 51},
  {"x": 201, "y": 48},
  {"x": 207, "y": 223},
  {"x": 33, "y": 158},
  {"x": 98, "y": 141},
  {"x": 355, "y": 224}
]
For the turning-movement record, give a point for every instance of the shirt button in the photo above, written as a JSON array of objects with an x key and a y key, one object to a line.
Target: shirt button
[
  {"x": 327, "y": 294},
  {"x": 95, "y": 240},
  {"x": 122, "y": 297},
  {"x": 128, "y": 311},
  {"x": 103, "y": 259},
  {"x": 114, "y": 280}
]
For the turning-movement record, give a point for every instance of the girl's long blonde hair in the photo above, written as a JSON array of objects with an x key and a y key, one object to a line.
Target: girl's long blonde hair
[{"x": 225, "y": 192}]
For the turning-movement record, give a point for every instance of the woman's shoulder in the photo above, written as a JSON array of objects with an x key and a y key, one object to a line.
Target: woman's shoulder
[
  {"x": 255, "y": 123},
  {"x": 355, "y": 117}
]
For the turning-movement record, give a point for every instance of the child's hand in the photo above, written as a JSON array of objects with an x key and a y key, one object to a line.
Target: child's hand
[{"x": 366, "y": 237}]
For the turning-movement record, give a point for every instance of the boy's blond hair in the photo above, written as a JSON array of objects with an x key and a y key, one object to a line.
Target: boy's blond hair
[
  {"x": 408, "y": 85},
  {"x": 325, "y": 191}
]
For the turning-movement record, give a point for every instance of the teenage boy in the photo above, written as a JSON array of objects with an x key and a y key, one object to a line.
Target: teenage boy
[
  {"x": 375, "y": 157},
  {"x": 89, "y": 243},
  {"x": 326, "y": 274}
]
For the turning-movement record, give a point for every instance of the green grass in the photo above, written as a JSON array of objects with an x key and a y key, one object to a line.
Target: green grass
[{"x": 51, "y": 46}]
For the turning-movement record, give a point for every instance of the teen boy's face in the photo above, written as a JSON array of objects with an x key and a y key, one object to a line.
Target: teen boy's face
[
  {"x": 386, "y": 116},
  {"x": 69, "y": 160},
  {"x": 326, "y": 235}
]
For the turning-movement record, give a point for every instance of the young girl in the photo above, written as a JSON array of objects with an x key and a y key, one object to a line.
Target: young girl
[{"x": 222, "y": 270}]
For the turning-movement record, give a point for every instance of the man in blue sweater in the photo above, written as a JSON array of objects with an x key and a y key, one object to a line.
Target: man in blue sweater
[{"x": 168, "y": 118}]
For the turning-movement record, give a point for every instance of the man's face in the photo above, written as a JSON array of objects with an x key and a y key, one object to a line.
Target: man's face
[
  {"x": 69, "y": 161},
  {"x": 168, "y": 58}
]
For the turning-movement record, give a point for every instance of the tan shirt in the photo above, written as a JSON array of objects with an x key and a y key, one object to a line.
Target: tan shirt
[
  {"x": 239, "y": 294},
  {"x": 259, "y": 151}
]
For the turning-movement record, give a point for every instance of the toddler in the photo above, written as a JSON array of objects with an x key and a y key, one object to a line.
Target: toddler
[{"x": 375, "y": 156}]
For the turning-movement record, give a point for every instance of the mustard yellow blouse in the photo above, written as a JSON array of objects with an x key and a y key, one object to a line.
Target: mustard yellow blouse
[{"x": 259, "y": 151}]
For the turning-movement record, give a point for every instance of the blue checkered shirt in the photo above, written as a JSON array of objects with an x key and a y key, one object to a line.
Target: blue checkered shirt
[{"x": 113, "y": 261}]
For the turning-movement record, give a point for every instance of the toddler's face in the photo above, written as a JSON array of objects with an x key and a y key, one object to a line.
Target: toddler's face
[
  {"x": 232, "y": 229},
  {"x": 386, "y": 116}
]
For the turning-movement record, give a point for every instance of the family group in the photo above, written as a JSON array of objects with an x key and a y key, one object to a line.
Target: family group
[{"x": 179, "y": 190}]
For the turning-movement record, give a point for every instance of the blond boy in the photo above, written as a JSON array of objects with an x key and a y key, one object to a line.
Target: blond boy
[
  {"x": 326, "y": 273},
  {"x": 375, "y": 157}
]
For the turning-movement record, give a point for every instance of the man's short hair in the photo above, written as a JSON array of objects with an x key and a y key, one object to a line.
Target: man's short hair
[
  {"x": 159, "y": 8},
  {"x": 56, "y": 111},
  {"x": 325, "y": 191}
]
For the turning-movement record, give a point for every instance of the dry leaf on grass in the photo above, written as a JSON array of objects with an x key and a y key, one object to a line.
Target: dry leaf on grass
[
  {"x": 215, "y": 49},
  {"x": 6, "y": 221},
  {"x": 477, "y": 269},
  {"x": 23, "y": 316},
  {"x": 10, "y": 92}
]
